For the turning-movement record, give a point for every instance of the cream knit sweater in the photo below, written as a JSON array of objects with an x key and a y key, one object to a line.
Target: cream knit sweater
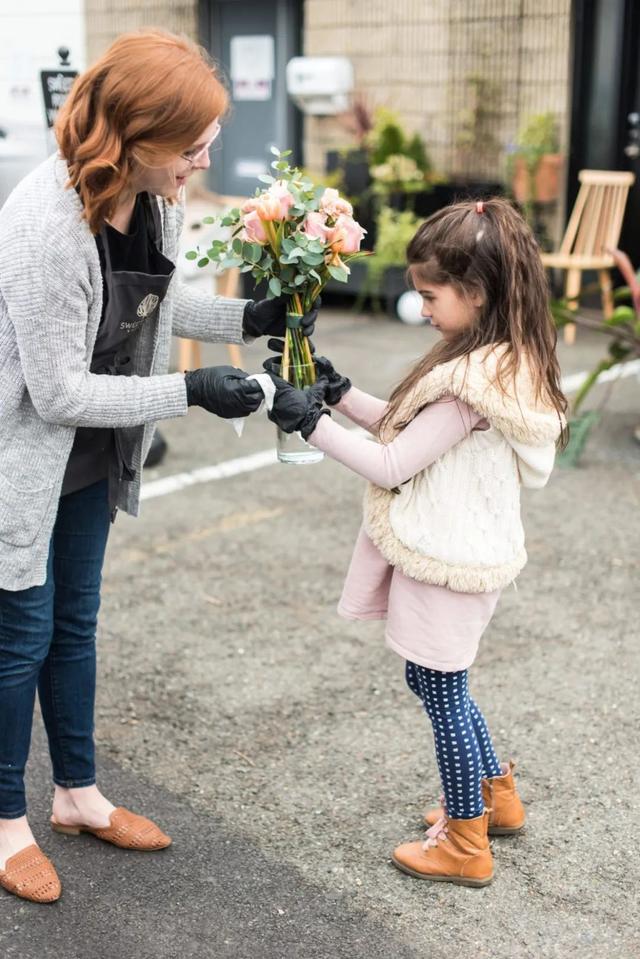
[{"x": 457, "y": 523}]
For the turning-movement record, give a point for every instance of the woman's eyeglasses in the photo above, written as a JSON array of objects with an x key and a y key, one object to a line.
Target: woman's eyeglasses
[{"x": 192, "y": 156}]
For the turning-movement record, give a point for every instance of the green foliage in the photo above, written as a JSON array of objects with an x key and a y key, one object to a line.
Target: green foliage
[
  {"x": 622, "y": 328},
  {"x": 388, "y": 138},
  {"x": 417, "y": 152},
  {"x": 394, "y": 231},
  {"x": 293, "y": 263},
  {"x": 537, "y": 138}
]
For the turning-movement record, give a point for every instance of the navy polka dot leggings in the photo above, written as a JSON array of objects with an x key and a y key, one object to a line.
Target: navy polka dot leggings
[{"x": 464, "y": 749}]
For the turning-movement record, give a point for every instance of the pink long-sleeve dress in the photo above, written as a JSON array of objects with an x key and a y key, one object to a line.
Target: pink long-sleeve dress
[{"x": 426, "y": 624}]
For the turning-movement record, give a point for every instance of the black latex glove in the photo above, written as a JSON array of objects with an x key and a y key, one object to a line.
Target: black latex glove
[
  {"x": 296, "y": 409},
  {"x": 337, "y": 385},
  {"x": 263, "y": 317},
  {"x": 223, "y": 390}
]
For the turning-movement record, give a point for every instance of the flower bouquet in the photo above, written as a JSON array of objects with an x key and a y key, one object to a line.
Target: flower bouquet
[{"x": 295, "y": 236}]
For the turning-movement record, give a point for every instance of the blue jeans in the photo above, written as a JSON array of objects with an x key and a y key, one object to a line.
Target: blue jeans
[{"x": 48, "y": 641}]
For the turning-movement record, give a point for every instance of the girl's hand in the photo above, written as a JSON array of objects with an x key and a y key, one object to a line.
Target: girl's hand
[
  {"x": 295, "y": 409},
  {"x": 337, "y": 385}
]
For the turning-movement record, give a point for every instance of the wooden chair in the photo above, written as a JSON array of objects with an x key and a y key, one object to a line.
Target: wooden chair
[
  {"x": 592, "y": 233},
  {"x": 204, "y": 203}
]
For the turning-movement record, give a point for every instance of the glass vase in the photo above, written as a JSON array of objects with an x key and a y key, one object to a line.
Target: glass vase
[{"x": 298, "y": 369}]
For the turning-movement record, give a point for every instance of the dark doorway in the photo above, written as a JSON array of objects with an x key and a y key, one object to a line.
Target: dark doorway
[
  {"x": 253, "y": 41},
  {"x": 605, "y": 119}
]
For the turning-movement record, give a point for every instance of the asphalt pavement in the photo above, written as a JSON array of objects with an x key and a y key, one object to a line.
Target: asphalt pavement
[{"x": 278, "y": 745}]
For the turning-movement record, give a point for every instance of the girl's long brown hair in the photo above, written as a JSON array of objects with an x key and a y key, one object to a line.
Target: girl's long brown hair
[
  {"x": 492, "y": 252},
  {"x": 145, "y": 101}
]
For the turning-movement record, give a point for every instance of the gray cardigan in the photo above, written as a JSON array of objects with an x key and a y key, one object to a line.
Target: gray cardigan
[{"x": 50, "y": 308}]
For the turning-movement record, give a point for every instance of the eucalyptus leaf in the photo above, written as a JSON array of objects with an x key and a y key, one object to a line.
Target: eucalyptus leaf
[
  {"x": 203, "y": 261},
  {"x": 191, "y": 255},
  {"x": 275, "y": 286},
  {"x": 338, "y": 273}
]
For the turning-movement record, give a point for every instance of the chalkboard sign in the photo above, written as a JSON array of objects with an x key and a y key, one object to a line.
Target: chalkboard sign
[{"x": 55, "y": 89}]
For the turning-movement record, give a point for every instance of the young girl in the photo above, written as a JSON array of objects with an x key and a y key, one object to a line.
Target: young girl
[{"x": 475, "y": 418}]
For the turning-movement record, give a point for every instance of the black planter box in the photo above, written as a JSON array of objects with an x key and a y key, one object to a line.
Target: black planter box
[{"x": 354, "y": 165}]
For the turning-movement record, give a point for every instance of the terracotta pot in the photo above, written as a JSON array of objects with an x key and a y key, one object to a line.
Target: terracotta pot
[{"x": 546, "y": 181}]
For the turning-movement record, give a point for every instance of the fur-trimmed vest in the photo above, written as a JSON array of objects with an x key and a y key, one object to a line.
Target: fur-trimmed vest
[{"x": 457, "y": 523}]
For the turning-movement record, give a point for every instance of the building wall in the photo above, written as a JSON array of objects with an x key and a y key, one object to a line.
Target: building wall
[
  {"x": 465, "y": 74},
  {"x": 448, "y": 67},
  {"x": 31, "y": 33},
  {"x": 108, "y": 18}
]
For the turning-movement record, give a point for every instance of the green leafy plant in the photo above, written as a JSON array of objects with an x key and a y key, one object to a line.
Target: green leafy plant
[
  {"x": 388, "y": 138},
  {"x": 622, "y": 329},
  {"x": 394, "y": 231},
  {"x": 537, "y": 138}
]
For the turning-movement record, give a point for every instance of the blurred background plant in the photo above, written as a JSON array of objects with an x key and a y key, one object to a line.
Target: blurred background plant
[
  {"x": 534, "y": 166},
  {"x": 623, "y": 331}
]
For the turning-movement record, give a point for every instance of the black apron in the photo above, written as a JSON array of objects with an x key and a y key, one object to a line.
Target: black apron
[{"x": 133, "y": 298}]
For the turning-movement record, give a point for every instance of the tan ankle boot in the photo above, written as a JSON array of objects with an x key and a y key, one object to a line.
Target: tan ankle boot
[
  {"x": 500, "y": 795},
  {"x": 455, "y": 850}
]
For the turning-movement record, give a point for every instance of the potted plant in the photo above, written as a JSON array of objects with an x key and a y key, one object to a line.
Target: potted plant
[
  {"x": 386, "y": 269},
  {"x": 536, "y": 162},
  {"x": 352, "y": 164}
]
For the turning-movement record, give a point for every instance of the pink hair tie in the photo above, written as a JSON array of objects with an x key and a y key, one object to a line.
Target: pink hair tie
[{"x": 480, "y": 207}]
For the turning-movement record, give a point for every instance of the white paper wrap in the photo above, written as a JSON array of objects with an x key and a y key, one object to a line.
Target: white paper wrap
[{"x": 268, "y": 388}]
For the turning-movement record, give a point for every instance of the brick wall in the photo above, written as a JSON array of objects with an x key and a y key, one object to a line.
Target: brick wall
[
  {"x": 429, "y": 60},
  {"x": 108, "y": 18}
]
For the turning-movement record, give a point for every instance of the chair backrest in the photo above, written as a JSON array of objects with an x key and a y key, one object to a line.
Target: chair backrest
[{"x": 596, "y": 219}]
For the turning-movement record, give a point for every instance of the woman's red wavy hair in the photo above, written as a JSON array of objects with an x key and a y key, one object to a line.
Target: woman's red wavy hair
[{"x": 145, "y": 101}]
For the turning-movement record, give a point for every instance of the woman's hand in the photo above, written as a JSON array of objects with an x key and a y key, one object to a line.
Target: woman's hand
[
  {"x": 223, "y": 390},
  {"x": 262, "y": 317},
  {"x": 295, "y": 409},
  {"x": 336, "y": 384}
]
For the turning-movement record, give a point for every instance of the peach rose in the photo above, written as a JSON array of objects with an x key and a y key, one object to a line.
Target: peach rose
[
  {"x": 333, "y": 204},
  {"x": 267, "y": 207},
  {"x": 254, "y": 231},
  {"x": 249, "y": 204},
  {"x": 315, "y": 226},
  {"x": 346, "y": 236},
  {"x": 286, "y": 200}
]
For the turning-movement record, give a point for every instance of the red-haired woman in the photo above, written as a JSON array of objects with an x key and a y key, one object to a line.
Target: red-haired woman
[{"x": 88, "y": 304}]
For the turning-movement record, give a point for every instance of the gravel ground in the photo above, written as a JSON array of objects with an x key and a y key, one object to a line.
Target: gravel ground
[{"x": 230, "y": 687}]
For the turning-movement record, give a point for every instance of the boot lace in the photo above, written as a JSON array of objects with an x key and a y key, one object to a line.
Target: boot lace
[{"x": 437, "y": 832}]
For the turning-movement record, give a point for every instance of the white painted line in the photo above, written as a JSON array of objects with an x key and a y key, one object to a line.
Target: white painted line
[
  {"x": 206, "y": 474},
  {"x": 256, "y": 461}
]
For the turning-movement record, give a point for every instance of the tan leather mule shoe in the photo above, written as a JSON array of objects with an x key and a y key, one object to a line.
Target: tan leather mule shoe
[
  {"x": 30, "y": 875},
  {"x": 126, "y": 830},
  {"x": 455, "y": 850},
  {"x": 500, "y": 795}
]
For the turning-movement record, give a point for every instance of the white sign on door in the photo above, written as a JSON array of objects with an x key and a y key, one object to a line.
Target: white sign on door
[{"x": 252, "y": 67}]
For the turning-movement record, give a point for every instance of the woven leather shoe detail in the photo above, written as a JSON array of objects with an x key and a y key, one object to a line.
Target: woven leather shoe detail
[
  {"x": 126, "y": 830},
  {"x": 30, "y": 875}
]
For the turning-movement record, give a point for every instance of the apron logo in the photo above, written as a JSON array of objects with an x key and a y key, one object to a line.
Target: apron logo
[{"x": 148, "y": 305}]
